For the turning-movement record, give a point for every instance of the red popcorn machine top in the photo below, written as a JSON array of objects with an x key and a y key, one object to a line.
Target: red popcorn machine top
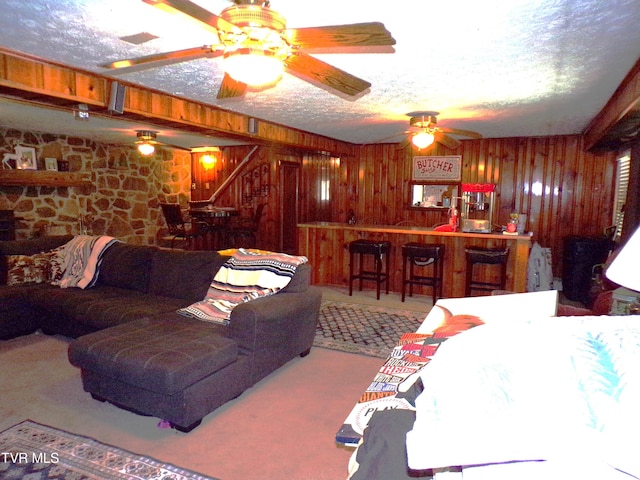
[{"x": 477, "y": 207}]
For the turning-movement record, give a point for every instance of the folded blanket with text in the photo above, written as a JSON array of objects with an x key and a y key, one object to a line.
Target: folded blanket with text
[
  {"x": 81, "y": 257},
  {"x": 245, "y": 276}
]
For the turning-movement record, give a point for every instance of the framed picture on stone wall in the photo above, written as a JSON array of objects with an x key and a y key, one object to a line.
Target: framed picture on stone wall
[
  {"x": 51, "y": 164},
  {"x": 26, "y": 158}
]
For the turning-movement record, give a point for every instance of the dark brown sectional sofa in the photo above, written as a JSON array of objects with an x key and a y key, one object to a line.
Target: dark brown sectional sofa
[{"x": 136, "y": 352}]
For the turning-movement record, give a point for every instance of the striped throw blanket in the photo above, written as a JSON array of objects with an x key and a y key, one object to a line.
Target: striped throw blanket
[
  {"x": 81, "y": 257},
  {"x": 245, "y": 276}
]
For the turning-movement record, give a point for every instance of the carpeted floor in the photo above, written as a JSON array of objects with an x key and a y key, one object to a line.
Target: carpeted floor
[
  {"x": 38, "y": 452},
  {"x": 363, "y": 329}
]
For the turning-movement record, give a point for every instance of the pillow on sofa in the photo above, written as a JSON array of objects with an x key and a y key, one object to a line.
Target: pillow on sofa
[
  {"x": 27, "y": 247},
  {"x": 28, "y": 268}
]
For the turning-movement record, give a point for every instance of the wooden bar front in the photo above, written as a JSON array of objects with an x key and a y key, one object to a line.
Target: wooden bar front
[{"x": 326, "y": 245}]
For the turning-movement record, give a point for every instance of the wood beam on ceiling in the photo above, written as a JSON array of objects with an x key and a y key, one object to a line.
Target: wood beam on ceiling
[
  {"x": 618, "y": 123},
  {"x": 55, "y": 84}
]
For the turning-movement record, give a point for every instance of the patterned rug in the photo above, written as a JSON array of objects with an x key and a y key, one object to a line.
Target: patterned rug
[
  {"x": 363, "y": 329},
  {"x": 37, "y": 452}
]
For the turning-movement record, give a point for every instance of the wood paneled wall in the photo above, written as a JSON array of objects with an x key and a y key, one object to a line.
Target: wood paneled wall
[{"x": 562, "y": 189}]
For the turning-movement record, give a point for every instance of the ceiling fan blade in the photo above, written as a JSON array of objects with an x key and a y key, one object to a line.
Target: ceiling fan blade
[
  {"x": 186, "y": 7},
  {"x": 449, "y": 142},
  {"x": 311, "y": 69},
  {"x": 462, "y": 133},
  {"x": 160, "y": 59},
  {"x": 230, "y": 88},
  {"x": 354, "y": 35}
]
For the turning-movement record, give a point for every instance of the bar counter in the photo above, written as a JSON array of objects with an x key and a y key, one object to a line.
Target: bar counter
[{"x": 326, "y": 245}]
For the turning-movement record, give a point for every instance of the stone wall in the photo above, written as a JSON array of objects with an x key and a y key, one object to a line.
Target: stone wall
[{"x": 122, "y": 200}]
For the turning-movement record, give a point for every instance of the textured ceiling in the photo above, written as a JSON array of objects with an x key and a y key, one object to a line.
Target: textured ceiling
[{"x": 499, "y": 67}]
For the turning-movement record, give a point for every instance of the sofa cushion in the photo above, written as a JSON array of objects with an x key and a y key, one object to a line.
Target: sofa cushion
[
  {"x": 98, "y": 307},
  {"x": 164, "y": 356},
  {"x": 126, "y": 266},
  {"x": 183, "y": 274}
]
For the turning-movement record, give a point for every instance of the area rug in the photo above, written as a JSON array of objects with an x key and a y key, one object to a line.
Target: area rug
[
  {"x": 38, "y": 452},
  {"x": 363, "y": 329}
]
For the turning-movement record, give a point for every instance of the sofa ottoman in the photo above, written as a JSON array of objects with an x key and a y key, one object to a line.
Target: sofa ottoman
[{"x": 161, "y": 368}]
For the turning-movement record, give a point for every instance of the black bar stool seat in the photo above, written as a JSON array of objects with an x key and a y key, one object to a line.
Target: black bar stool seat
[
  {"x": 485, "y": 256},
  {"x": 379, "y": 250},
  {"x": 423, "y": 255}
]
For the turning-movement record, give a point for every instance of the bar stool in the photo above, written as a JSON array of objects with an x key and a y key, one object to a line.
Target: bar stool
[
  {"x": 485, "y": 256},
  {"x": 377, "y": 249},
  {"x": 423, "y": 255}
]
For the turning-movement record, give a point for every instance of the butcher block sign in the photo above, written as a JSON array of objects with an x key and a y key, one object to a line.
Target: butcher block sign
[{"x": 437, "y": 168}]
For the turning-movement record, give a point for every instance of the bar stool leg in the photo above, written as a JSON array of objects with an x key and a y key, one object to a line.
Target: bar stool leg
[
  {"x": 436, "y": 276},
  {"x": 351, "y": 273},
  {"x": 388, "y": 272},
  {"x": 503, "y": 277},
  {"x": 467, "y": 288},
  {"x": 404, "y": 275},
  {"x": 378, "y": 263}
]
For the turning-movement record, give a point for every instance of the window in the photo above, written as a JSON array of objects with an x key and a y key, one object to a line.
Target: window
[{"x": 622, "y": 184}]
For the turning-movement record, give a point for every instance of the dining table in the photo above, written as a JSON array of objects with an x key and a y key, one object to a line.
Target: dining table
[{"x": 217, "y": 220}]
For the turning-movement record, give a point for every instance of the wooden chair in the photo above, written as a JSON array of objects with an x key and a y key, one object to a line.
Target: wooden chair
[
  {"x": 243, "y": 232},
  {"x": 179, "y": 228}
]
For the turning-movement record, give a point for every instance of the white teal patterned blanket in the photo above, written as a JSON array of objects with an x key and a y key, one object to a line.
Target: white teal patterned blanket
[{"x": 559, "y": 391}]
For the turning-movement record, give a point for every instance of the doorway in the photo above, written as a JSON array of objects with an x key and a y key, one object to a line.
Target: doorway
[{"x": 289, "y": 181}]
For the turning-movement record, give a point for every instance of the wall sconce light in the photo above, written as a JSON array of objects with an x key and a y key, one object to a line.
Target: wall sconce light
[
  {"x": 207, "y": 156},
  {"x": 146, "y": 142},
  {"x": 208, "y": 161}
]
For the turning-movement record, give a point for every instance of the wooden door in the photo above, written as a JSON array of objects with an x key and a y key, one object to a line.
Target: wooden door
[{"x": 289, "y": 180}]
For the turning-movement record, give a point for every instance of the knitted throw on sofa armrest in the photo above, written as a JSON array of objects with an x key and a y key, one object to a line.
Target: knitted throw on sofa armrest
[
  {"x": 81, "y": 257},
  {"x": 245, "y": 276}
]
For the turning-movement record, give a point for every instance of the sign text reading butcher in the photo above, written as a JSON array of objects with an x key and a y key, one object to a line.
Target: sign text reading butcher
[{"x": 437, "y": 168}]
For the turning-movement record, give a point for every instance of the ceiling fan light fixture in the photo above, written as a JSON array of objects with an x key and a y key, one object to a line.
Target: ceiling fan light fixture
[
  {"x": 253, "y": 66},
  {"x": 146, "y": 143},
  {"x": 422, "y": 139}
]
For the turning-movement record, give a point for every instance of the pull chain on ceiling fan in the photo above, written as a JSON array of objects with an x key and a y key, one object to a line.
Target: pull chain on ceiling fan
[{"x": 250, "y": 33}]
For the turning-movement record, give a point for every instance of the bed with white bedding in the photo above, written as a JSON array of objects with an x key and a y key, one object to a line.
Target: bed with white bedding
[{"x": 548, "y": 398}]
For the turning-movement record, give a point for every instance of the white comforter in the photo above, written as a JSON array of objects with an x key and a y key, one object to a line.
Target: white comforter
[{"x": 551, "y": 395}]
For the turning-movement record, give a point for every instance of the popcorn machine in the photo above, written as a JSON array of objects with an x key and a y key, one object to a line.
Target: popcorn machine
[{"x": 477, "y": 207}]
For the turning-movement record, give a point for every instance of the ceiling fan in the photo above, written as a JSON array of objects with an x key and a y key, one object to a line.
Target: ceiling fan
[
  {"x": 424, "y": 131},
  {"x": 251, "y": 38},
  {"x": 147, "y": 142}
]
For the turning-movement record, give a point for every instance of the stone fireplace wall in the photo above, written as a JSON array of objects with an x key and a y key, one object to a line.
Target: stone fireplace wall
[{"x": 122, "y": 200}]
